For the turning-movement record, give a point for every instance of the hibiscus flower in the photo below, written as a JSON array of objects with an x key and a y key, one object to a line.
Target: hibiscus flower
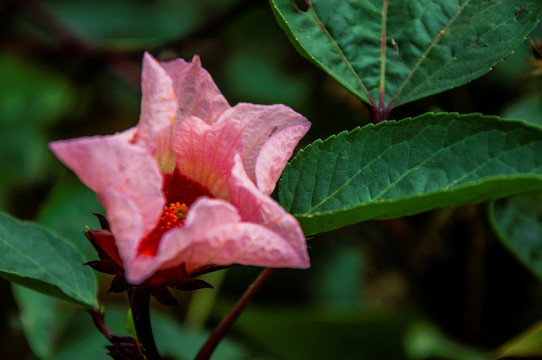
[{"x": 189, "y": 186}]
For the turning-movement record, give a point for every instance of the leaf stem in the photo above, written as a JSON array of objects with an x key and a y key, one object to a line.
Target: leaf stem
[
  {"x": 98, "y": 318},
  {"x": 139, "y": 304},
  {"x": 220, "y": 332},
  {"x": 380, "y": 113},
  {"x": 383, "y": 40}
]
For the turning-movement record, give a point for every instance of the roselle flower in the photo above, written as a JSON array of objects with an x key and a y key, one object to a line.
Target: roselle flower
[{"x": 189, "y": 186}]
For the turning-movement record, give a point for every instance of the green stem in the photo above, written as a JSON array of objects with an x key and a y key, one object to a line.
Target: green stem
[
  {"x": 220, "y": 332},
  {"x": 139, "y": 304}
]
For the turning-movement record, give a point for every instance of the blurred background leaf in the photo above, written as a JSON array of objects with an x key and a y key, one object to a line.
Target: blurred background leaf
[
  {"x": 528, "y": 109},
  {"x": 528, "y": 344},
  {"x": 424, "y": 341},
  {"x": 135, "y": 24},
  {"x": 518, "y": 222},
  {"x": 81, "y": 340},
  {"x": 31, "y": 98},
  {"x": 318, "y": 334},
  {"x": 43, "y": 319},
  {"x": 68, "y": 208}
]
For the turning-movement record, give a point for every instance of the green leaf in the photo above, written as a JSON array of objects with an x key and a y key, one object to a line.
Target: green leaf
[
  {"x": 31, "y": 98},
  {"x": 308, "y": 333},
  {"x": 67, "y": 210},
  {"x": 528, "y": 344},
  {"x": 401, "y": 168},
  {"x": 529, "y": 109},
  {"x": 518, "y": 222},
  {"x": 389, "y": 53},
  {"x": 248, "y": 72},
  {"x": 180, "y": 342},
  {"x": 337, "y": 282},
  {"x": 135, "y": 24},
  {"x": 82, "y": 341},
  {"x": 33, "y": 257},
  {"x": 43, "y": 319},
  {"x": 425, "y": 341}
]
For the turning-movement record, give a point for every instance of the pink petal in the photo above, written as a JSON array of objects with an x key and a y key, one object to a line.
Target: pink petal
[
  {"x": 259, "y": 124},
  {"x": 241, "y": 243},
  {"x": 274, "y": 155},
  {"x": 205, "y": 153},
  {"x": 197, "y": 93},
  {"x": 258, "y": 208},
  {"x": 158, "y": 104},
  {"x": 176, "y": 245},
  {"x": 214, "y": 234},
  {"x": 125, "y": 177}
]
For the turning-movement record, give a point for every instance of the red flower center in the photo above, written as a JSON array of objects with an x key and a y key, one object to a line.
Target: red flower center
[
  {"x": 173, "y": 215},
  {"x": 180, "y": 193}
]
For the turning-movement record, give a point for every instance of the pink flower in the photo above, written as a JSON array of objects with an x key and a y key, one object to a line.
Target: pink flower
[{"x": 189, "y": 185}]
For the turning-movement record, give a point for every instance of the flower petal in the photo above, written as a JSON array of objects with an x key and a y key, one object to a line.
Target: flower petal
[
  {"x": 265, "y": 136},
  {"x": 197, "y": 93},
  {"x": 125, "y": 177},
  {"x": 176, "y": 245},
  {"x": 241, "y": 243},
  {"x": 205, "y": 153},
  {"x": 256, "y": 207},
  {"x": 274, "y": 155},
  {"x": 158, "y": 103},
  {"x": 259, "y": 124},
  {"x": 214, "y": 234}
]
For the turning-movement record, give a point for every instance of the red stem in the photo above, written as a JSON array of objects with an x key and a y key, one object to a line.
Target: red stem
[
  {"x": 379, "y": 114},
  {"x": 220, "y": 332},
  {"x": 98, "y": 318}
]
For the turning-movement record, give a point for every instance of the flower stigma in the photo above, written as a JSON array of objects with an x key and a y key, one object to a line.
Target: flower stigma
[{"x": 173, "y": 215}]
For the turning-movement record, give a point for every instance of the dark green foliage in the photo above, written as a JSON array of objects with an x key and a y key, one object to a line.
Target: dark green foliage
[
  {"x": 33, "y": 257},
  {"x": 389, "y": 53},
  {"x": 410, "y": 166}
]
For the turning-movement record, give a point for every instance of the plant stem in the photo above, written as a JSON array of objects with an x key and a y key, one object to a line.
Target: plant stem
[
  {"x": 220, "y": 332},
  {"x": 139, "y": 304},
  {"x": 98, "y": 318}
]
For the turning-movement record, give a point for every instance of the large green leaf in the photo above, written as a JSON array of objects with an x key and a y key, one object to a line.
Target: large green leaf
[
  {"x": 410, "y": 166},
  {"x": 392, "y": 52},
  {"x": 33, "y": 257}
]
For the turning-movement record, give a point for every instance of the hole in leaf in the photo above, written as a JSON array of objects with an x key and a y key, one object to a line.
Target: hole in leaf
[
  {"x": 520, "y": 13},
  {"x": 301, "y": 5}
]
